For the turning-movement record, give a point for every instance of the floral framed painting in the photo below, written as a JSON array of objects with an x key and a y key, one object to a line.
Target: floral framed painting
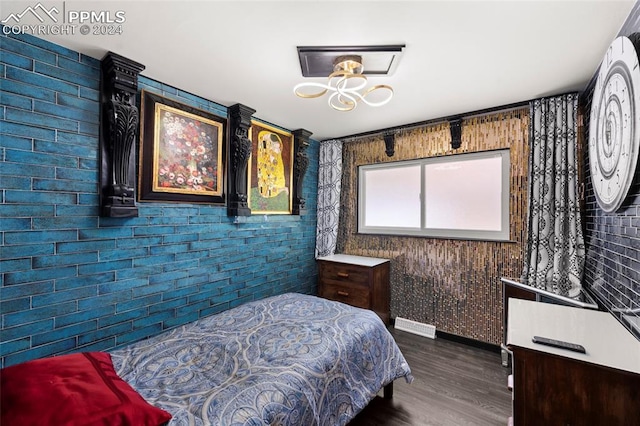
[
  {"x": 182, "y": 152},
  {"x": 270, "y": 169}
]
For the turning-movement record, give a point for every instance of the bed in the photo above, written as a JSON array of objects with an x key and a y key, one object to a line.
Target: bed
[{"x": 291, "y": 359}]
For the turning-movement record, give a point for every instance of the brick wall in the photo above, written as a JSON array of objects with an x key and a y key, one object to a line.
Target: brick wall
[
  {"x": 71, "y": 280},
  {"x": 612, "y": 270}
]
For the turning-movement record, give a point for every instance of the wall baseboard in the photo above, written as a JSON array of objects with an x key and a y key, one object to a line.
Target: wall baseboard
[{"x": 471, "y": 342}]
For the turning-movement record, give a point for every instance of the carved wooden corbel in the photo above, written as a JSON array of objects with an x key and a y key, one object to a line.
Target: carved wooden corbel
[
  {"x": 455, "y": 126},
  {"x": 390, "y": 143},
  {"x": 239, "y": 153},
  {"x": 300, "y": 164},
  {"x": 118, "y": 131}
]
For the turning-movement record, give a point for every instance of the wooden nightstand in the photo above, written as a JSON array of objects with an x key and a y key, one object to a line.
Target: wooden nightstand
[{"x": 356, "y": 280}]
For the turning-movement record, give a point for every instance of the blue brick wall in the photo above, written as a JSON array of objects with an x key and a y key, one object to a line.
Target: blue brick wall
[{"x": 71, "y": 280}]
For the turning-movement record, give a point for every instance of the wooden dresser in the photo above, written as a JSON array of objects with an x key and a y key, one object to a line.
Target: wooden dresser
[
  {"x": 356, "y": 280},
  {"x": 512, "y": 289},
  {"x": 554, "y": 386}
]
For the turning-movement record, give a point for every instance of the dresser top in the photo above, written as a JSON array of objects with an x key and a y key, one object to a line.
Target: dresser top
[
  {"x": 605, "y": 340},
  {"x": 354, "y": 260}
]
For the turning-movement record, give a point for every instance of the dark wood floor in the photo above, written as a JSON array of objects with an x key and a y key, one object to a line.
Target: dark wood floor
[{"x": 454, "y": 384}]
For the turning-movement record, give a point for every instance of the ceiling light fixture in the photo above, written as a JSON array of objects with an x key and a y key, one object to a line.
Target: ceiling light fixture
[{"x": 347, "y": 86}]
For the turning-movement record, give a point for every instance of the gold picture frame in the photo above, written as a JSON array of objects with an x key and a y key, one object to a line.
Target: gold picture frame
[
  {"x": 270, "y": 169},
  {"x": 182, "y": 152}
]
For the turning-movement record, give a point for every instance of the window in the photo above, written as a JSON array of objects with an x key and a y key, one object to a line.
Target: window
[{"x": 463, "y": 196}]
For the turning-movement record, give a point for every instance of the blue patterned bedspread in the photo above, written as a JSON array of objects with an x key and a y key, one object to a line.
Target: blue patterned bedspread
[{"x": 292, "y": 359}]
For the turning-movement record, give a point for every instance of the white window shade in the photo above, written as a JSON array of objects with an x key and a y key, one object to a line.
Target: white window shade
[{"x": 398, "y": 185}]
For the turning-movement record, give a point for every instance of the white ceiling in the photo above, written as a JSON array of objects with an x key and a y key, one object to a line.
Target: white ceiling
[{"x": 460, "y": 56}]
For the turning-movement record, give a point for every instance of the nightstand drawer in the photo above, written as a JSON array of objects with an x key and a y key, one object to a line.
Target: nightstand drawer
[
  {"x": 355, "y": 296},
  {"x": 338, "y": 272}
]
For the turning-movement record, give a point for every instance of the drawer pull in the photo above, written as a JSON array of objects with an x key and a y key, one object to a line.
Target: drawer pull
[
  {"x": 343, "y": 293},
  {"x": 343, "y": 274}
]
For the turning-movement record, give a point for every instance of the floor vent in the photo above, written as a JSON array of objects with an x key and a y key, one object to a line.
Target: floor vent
[{"x": 426, "y": 330}]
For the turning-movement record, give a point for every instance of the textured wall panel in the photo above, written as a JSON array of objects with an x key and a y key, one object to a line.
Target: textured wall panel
[{"x": 452, "y": 284}]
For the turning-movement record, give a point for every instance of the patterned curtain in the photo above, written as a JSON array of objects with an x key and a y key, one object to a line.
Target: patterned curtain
[
  {"x": 555, "y": 251},
  {"x": 329, "y": 184}
]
